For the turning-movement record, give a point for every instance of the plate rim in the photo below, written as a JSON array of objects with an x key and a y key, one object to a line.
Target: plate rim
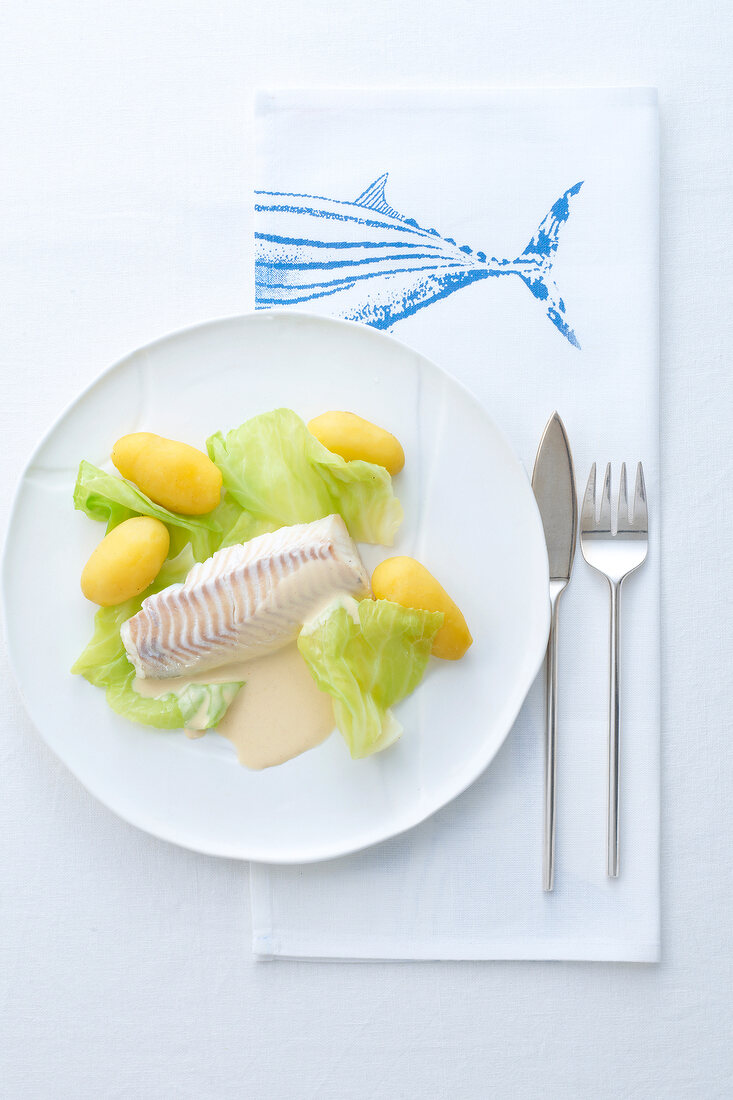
[{"x": 157, "y": 827}]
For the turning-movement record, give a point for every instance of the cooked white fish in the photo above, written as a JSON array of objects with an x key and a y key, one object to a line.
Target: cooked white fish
[{"x": 246, "y": 600}]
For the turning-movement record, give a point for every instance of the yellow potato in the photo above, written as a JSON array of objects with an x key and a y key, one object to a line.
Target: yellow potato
[
  {"x": 350, "y": 436},
  {"x": 406, "y": 581},
  {"x": 126, "y": 561},
  {"x": 172, "y": 474}
]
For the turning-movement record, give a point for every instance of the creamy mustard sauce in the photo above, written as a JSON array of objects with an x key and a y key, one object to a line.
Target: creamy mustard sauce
[{"x": 278, "y": 714}]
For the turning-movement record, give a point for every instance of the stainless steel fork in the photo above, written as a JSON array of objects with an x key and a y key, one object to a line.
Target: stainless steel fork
[{"x": 615, "y": 554}]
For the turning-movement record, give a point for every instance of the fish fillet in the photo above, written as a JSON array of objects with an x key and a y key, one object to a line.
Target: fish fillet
[{"x": 246, "y": 600}]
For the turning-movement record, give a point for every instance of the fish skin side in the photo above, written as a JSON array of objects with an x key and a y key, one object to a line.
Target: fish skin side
[{"x": 245, "y": 600}]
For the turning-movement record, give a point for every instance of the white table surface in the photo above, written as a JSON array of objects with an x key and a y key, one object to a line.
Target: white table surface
[{"x": 125, "y": 969}]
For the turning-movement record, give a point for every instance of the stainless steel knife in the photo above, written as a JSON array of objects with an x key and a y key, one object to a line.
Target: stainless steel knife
[{"x": 553, "y": 483}]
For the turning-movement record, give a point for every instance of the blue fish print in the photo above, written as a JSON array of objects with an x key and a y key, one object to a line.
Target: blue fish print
[{"x": 368, "y": 263}]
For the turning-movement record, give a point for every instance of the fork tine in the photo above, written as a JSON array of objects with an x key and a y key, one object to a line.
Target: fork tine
[
  {"x": 641, "y": 517},
  {"x": 604, "y": 520},
  {"x": 623, "y": 499},
  {"x": 588, "y": 514}
]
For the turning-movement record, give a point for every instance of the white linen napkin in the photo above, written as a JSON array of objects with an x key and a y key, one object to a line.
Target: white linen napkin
[{"x": 485, "y": 168}]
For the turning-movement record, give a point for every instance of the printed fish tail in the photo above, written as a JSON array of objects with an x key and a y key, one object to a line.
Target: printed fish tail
[{"x": 540, "y": 254}]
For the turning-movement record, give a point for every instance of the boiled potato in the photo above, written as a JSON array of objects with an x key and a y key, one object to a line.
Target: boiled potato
[
  {"x": 350, "y": 436},
  {"x": 173, "y": 474},
  {"x": 406, "y": 581},
  {"x": 126, "y": 561}
]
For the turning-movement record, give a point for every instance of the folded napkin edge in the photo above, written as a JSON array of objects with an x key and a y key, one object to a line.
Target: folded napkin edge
[{"x": 267, "y": 947}]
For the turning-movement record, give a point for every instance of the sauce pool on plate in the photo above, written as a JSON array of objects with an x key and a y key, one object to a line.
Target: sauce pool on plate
[{"x": 278, "y": 714}]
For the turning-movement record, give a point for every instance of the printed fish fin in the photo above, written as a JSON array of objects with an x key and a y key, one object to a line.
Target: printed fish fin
[
  {"x": 373, "y": 198},
  {"x": 544, "y": 242},
  {"x": 541, "y": 253},
  {"x": 546, "y": 290}
]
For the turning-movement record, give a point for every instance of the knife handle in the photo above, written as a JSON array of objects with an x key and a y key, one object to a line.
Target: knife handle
[{"x": 548, "y": 860}]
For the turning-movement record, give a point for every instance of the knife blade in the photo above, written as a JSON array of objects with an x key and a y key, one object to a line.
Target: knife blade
[{"x": 553, "y": 484}]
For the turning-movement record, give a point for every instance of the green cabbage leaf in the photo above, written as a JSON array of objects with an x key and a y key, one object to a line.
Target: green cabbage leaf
[
  {"x": 276, "y": 474},
  {"x": 111, "y": 500},
  {"x": 368, "y": 656}
]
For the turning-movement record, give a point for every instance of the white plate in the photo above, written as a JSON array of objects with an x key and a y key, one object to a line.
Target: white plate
[{"x": 469, "y": 515}]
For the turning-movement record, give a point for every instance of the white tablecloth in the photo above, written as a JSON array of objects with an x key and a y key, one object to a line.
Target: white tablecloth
[{"x": 124, "y": 963}]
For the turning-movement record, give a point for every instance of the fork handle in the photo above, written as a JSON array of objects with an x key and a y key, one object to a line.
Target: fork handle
[{"x": 614, "y": 734}]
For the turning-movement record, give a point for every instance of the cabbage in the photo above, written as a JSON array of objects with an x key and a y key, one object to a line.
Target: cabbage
[
  {"x": 202, "y": 706},
  {"x": 279, "y": 474},
  {"x": 368, "y": 656},
  {"x": 110, "y": 499},
  {"x": 105, "y": 664},
  {"x": 195, "y": 707}
]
